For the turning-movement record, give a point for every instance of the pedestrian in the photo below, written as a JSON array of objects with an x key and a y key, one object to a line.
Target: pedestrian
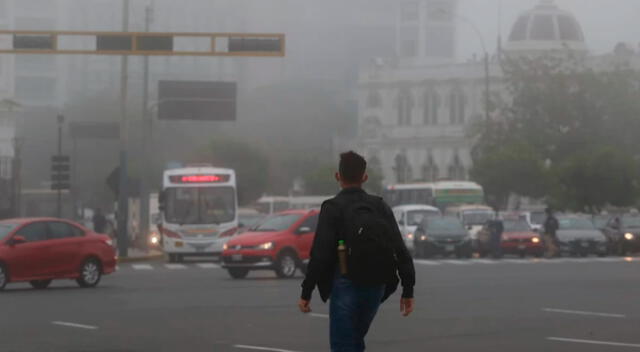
[
  {"x": 550, "y": 228},
  {"x": 99, "y": 221},
  {"x": 356, "y": 257},
  {"x": 496, "y": 229}
]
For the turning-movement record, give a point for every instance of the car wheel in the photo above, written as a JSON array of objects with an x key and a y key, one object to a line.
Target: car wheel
[
  {"x": 4, "y": 277},
  {"x": 238, "y": 273},
  {"x": 40, "y": 284},
  {"x": 90, "y": 273},
  {"x": 286, "y": 265}
]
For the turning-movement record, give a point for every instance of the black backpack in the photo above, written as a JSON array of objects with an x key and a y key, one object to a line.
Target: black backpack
[{"x": 368, "y": 237}]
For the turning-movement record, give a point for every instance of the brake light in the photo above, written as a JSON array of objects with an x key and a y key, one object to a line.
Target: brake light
[
  {"x": 170, "y": 233},
  {"x": 202, "y": 178},
  {"x": 230, "y": 232}
]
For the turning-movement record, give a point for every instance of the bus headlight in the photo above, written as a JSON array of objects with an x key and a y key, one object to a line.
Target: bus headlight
[
  {"x": 535, "y": 240},
  {"x": 629, "y": 236},
  {"x": 266, "y": 246},
  {"x": 410, "y": 236}
]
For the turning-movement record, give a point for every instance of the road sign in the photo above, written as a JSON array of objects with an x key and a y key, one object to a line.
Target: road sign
[
  {"x": 60, "y": 159},
  {"x": 197, "y": 100},
  {"x": 60, "y": 167},
  {"x": 60, "y": 177},
  {"x": 60, "y": 186}
]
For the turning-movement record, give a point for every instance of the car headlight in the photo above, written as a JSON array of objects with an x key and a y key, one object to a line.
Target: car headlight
[
  {"x": 535, "y": 240},
  {"x": 225, "y": 247},
  {"x": 265, "y": 246},
  {"x": 629, "y": 236},
  {"x": 410, "y": 236},
  {"x": 154, "y": 240},
  {"x": 424, "y": 238}
]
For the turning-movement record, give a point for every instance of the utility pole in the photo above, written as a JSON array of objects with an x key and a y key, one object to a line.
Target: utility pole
[
  {"x": 487, "y": 97},
  {"x": 147, "y": 132},
  {"x": 123, "y": 192},
  {"x": 59, "y": 189}
]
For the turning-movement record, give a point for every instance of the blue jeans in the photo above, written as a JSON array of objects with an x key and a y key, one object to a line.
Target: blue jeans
[{"x": 352, "y": 309}]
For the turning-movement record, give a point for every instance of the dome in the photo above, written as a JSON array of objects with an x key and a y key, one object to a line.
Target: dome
[{"x": 546, "y": 27}]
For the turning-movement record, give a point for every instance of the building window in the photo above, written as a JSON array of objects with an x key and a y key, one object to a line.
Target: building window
[
  {"x": 543, "y": 28},
  {"x": 402, "y": 168},
  {"x": 430, "y": 172},
  {"x": 519, "y": 31},
  {"x": 405, "y": 107},
  {"x": 431, "y": 107},
  {"x": 456, "y": 169},
  {"x": 569, "y": 29},
  {"x": 371, "y": 127},
  {"x": 374, "y": 100},
  {"x": 440, "y": 10},
  {"x": 440, "y": 41},
  {"x": 457, "y": 102},
  {"x": 409, "y": 12}
]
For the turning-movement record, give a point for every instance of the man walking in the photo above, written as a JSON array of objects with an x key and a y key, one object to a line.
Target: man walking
[
  {"x": 99, "y": 221},
  {"x": 551, "y": 226},
  {"x": 356, "y": 257}
]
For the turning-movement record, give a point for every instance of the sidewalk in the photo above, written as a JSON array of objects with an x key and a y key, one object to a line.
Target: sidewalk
[{"x": 137, "y": 255}]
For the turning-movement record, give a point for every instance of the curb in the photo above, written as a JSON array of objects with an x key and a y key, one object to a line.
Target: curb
[{"x": 150, "y": 257}]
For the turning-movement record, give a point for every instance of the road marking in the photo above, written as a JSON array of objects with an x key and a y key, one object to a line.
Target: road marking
[
  {"x": 581, "y": 312},
  {"x": 318, "y": 315},
  {"x": 142, "y": 266},
  {"x": 74, "y": 325},
  {"x": 426, "y": 262},
  {"x": 175, "y": 266},
  {"x": 208, "y": 265},
  {"x": 247, "y": 347},
  {"x": 593, "y": 342},
  {"x": 457, "y": 262},
  {"x": 608, "y": 260},
  {"x": 518, "y": 261},
  {"x": 485, "y": 261}
]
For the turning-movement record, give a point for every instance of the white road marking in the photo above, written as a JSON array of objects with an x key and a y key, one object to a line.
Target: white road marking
[
  {"x": 457, "y": 262},
  {"x": 208, "y": 265},
  {"x": 74, "y": 325},
  {"x": 142, "y": 266},
  {"x": 608, "y": 260},
  {"x": 175, "y": 266},
  {"x": 485, "y": 261},
  {"x": 581, "y": 312},
  {"x": 426, "y": 262},
  {"x": 593, "y": 342},
  {"x": 318, "y": 315},
  {"x": 246, "y": 347},
  {"x": 518, "y": 261}
]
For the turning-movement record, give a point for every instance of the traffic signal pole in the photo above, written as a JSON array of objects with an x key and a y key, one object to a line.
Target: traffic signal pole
[{"x": 123, "y": 194}]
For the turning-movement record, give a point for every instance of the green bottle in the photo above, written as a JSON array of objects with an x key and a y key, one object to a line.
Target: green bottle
[{"x": 342, "y": 257}]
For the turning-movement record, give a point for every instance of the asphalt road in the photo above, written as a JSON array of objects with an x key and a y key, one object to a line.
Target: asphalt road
[{"x": 567, "y": 305}]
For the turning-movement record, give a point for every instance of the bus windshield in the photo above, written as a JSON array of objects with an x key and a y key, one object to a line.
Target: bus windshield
[
  {"x": 200, "y": 205},
  {"x": 476, "y": 217}
]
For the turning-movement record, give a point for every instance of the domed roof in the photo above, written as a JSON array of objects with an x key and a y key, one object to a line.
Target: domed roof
[{"x": 546, "y": 27}]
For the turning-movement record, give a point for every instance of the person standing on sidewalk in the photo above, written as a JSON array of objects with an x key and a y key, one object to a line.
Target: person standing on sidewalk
[
  {"x": 550, "y": 227},
  {"x": 366, "y": 272}
]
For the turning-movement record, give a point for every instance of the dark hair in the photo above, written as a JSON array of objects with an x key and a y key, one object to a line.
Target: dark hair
[{"x": 352, "y": 167}]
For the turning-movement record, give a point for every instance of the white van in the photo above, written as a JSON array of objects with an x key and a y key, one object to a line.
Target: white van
[
  {"x": 409, "y": 217},
  {"x": 473, "y": 216}
]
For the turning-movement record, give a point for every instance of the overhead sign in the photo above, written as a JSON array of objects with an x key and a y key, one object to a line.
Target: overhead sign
[{"x": 197, "y": 100}]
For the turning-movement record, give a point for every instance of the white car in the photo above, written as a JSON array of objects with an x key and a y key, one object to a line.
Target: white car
[{"x": 409, "y": 217}]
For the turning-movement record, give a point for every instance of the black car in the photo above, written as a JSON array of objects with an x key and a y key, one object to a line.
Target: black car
[
  {"x": 442, "y": 235},
  {"x": 578, "y": 236},
  {"x": 623, "y": 234}
]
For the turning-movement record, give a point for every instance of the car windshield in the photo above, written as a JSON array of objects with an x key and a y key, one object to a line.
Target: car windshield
[
  {"x": 631, "y": 221},
  {"x": 6, "y": 228},
  {"x": 538, "y": 217},
  {"x": 575, "y": 224},
  {"x": 415, "y": 217},
  {"x": 278, "y": 222},
  {"x": 451, "y": 224},
  {"x": 516, "y": 226},
  {"x": 200, "y": 205},
  {"x": 600, "y": 222},
  {"x": 249, "y": 220},
  {"x": 475, "y": 217}
]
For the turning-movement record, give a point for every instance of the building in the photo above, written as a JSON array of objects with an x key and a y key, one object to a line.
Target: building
[{"x": 415, "y": 113}]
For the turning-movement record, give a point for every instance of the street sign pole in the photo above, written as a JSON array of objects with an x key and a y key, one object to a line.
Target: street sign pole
[{"x": 123, "y": 195}]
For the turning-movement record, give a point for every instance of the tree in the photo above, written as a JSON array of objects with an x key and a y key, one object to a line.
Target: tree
[{"x": 250, "y": 164}]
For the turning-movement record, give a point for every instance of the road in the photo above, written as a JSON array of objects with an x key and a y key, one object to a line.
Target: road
[{"x": 563, "y": 305}]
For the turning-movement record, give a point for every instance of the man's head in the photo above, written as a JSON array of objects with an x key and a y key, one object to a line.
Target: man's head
[{"x": 351, "y": 170}]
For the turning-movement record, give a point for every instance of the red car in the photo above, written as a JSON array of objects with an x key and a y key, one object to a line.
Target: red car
[
  {"x": 518, "y": 238},
  {"x": 39, "y": 250},
  {"x": 280, "y": 242}
]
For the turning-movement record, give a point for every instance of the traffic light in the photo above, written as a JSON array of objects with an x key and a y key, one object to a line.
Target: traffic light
[{"x": 60, "y": 168}]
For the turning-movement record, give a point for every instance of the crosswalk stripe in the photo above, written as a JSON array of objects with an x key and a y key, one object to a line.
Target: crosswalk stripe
[
  {"x": 142, "y": 266},
  {"x": 485, "y": 261},
  {"x": 175, "y": 266},
  {"x": 457, "y": 262},
  {"x": 426, "y": 262},
  {"x": 208, "y": 265}
]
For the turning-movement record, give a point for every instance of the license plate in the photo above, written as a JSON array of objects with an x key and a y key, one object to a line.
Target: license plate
[
  {"x": 179, "y": 244},
  {"x": 522, "y": 246},
  {"x": 449, "y": 248},
  {"x": 236, "y": 257}
]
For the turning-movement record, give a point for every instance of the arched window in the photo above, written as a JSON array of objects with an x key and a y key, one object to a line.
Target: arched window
[
  {"x": 456, "y": 169},
  {"x": 457, "y": 104},
  {"x": 370, "y": 127},
  {"x": 405, "y": 107},
  {"x": 430, "y": 170},
  {"x": 431, "y": 102},
  {"x": 402, "y": 168},
  {"x": 374, "y": 100}
]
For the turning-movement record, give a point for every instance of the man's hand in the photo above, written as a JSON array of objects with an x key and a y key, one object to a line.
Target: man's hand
[
  {"x": 406, "y": 306},
  {"x": 304, "y": 305}
]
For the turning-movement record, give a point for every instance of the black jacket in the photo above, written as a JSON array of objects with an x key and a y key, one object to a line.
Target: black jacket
[{"x": 324, "y": 255}]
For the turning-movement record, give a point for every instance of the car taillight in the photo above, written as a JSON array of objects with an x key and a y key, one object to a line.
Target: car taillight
[
  {"x": 170, "y": 233},
  {"x": 230, "y": 232}
]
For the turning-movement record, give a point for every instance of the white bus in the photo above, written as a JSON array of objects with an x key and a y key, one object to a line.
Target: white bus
[
  {"x": 199, "y": 211},
  {"x": 441, "y": 194}
]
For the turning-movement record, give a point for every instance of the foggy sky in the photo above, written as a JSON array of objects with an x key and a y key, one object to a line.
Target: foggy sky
[{"x": 604, "y": 22}]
